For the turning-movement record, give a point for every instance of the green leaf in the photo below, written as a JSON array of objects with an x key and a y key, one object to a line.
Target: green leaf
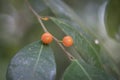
[
  {"x": 112, "y": 19},
  {"x": 80, "y": 71},
  {"x": 33, "y": 62},
  {"x": 83, "y": 43},
  {"x": 89, "y": 14}
]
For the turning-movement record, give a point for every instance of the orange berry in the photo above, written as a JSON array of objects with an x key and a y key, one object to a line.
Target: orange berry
[
  {"x": 45, "y": 18},
  {"x": 67, "y": 41},
  {"x": 46, "y": 38}
]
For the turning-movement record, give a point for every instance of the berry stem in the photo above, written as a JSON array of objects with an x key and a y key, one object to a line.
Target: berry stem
[{"x": 70, "y": 57}]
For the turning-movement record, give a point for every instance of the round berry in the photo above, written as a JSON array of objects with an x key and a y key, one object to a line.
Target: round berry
[
  {"x": 67, "y": 41},
  {"x": 46, "y": 38}
]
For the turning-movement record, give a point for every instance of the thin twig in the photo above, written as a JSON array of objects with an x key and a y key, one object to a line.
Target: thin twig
[
  {"x": 38, "y": 16},
  {"x": 70, "y": 57}
]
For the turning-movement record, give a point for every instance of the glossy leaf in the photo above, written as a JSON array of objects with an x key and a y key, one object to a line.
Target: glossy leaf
[
  {"x": 89, "y": 14},
  {"x": 33, "y": 62},
  {"x": 80, "y": 71},
  {"x": 83, "y": 43}
]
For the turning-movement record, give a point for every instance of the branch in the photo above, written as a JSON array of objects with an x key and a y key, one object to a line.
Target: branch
[{"x": 70, "y": 57}]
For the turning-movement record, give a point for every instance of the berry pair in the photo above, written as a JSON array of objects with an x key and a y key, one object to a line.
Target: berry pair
[{"x": 47, "y": 38}]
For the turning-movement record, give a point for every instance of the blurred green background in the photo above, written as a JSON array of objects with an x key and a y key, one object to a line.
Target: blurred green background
[{"x": 19, "y": 27}]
